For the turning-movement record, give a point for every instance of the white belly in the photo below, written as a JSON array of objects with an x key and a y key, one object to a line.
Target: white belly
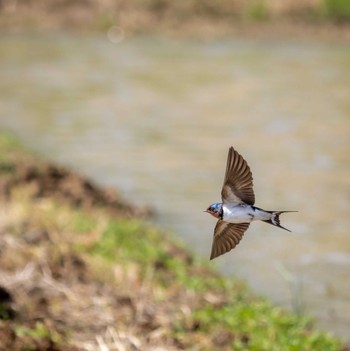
[{"x": 243, "y": 214}]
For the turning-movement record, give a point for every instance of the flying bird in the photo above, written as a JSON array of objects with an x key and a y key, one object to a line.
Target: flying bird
[{"x": 237, "y": 209}]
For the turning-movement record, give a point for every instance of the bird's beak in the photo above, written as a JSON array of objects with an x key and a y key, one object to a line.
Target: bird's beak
[{"x": 205, "y": 211}]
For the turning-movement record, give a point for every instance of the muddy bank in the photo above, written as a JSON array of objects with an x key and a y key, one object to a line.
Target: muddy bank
[
  {"x": 62, "y": 184},
  {"x": 56, "y": 295}
]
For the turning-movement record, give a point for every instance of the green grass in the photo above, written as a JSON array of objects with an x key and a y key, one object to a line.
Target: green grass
[
  {"x": 257, "y": 11},
  {"x": 128, "y": 240},
  {"x": 8, "y": 142},
  {"x": 82, "y": 223},
  {"x": 337, "y": 10},
  {"x": 38, "y": 331},
  {"x": 256, "y": 323},
  {"x": 264, "y": 327},
  {"x": 8, "y": 145}
]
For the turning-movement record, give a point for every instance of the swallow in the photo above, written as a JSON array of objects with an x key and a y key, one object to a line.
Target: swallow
[{"x": 237, "y": 209}]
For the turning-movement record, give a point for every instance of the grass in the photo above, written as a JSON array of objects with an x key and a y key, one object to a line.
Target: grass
[
  {"x": 257, "y": 11},
  {"x": 100, "y": 272},
  {"x": 256, "y": 323},
  {"x": 38, "y": 331},
  {"x": 264, "y": 328},
  {"x": 337, "y": 10}
]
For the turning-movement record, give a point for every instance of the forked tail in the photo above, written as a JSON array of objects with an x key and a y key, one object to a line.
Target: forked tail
[{"x": 275, "y": 218}]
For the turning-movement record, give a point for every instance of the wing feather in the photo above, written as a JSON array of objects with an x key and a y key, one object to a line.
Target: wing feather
[
  {"x": 238, "y": 181},
  {"x": 226, "y": 237}
]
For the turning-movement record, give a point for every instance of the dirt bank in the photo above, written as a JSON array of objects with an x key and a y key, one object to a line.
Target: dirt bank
[
  {"x": 64, "y": 185},
  {"x": 79, "y": 270},
  {"x": 54, "y": 295}
]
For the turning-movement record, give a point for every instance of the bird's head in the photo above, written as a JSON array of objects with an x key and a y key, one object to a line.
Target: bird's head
[{"x": 215, "y": 210}]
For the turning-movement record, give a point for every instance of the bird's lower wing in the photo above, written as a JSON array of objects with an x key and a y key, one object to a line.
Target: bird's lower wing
[{"x": 226, "y": 237}]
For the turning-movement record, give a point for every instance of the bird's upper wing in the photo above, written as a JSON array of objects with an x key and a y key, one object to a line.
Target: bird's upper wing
[
  {"x": 226, "y": 237},
  {"x": 238, "y": 182}
]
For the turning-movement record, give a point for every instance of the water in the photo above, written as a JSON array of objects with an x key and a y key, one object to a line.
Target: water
[{"x": 155, "y": 118}]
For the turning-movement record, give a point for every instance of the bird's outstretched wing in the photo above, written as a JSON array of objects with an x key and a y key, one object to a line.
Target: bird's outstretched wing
[
  {"x": 226, "y": 237},
  {"x": 238, "y": 181}
]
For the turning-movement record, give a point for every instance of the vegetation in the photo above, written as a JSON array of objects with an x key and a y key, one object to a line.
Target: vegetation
[
  {"x": 337, "y": 10},
  {"x": 84, "y": 275},
  {"x": 138, "y": 16}
]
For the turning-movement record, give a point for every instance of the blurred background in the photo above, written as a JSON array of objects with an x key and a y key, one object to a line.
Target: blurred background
[{"x": 147, "y": 96}]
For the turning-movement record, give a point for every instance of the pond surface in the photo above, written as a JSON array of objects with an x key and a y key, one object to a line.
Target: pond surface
[{"x": 155, "y": 118}]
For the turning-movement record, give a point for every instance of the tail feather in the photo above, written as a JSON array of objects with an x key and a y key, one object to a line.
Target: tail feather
[{"x": 275, "y": 219}]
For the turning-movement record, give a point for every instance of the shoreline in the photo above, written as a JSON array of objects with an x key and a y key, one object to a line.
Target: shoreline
[
  {"x": 320, "y": 19},
  {"x": 80, "y": 269},
  {"x": 207, "y": 32}
]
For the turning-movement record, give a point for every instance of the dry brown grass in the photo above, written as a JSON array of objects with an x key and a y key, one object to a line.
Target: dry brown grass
[{"x": 81, "y": 300}]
